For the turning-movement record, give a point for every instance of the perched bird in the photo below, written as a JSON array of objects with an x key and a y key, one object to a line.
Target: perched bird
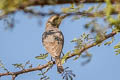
[{"x": 53, "y": 40}]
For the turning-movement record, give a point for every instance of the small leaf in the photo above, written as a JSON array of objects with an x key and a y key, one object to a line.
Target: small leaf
[
  {"x": 64, "y": 57},
  {"x": 91, "y": 9},
  {"x": 74, "y": 40},
  {"x": 76, "y": 57},
  {"x": 108, "y": 43},
  {"x": 117, "y": 46},
  {"x": 40, "y": 74},
  {"x": 42, "y": 56},
  {"x": 76, "y": 51},
  {"x": 20, "y": 66},
  {"x": 117, "y": 53}
]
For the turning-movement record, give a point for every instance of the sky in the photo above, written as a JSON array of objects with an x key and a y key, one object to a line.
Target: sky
[{"x": 23, "y": 43}]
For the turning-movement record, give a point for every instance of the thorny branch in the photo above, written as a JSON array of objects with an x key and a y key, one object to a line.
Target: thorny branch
[{"x": 14, "y": 74}]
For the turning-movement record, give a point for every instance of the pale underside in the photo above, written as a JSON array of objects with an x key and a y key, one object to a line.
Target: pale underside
[{"x": 53, "y": 42}]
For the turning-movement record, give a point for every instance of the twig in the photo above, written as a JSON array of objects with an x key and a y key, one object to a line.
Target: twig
[
  {"x": 13, "y": 77},
  {"x": 54, "y": 2},
  {"x": 93, "y": 44},
  {"x": 28, "y": 70}
]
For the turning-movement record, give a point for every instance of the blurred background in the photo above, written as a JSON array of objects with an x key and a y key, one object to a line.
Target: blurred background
[{"x": 23, "y": 43}]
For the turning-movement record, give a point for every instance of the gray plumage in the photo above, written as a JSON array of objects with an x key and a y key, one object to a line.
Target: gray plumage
[{"x": 53, "y": 40}]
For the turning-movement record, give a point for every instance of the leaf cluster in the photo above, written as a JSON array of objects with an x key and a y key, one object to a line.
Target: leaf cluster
[
  {"x": 117, "y": 47},
  {"x": 42, "y": 56},
  {"x": 7, "y": 6},
  {"x": 3, "y": 67},
  {"x": 23, "y": 66}
]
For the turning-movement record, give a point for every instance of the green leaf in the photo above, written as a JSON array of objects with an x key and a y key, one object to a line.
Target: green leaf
[
  {"x": 76, "y": 57},
  {"x": 65, "y": 57},
  {"x": 91, "y": 9},
  {"x": 117, "y": 46},
  {"x": 42, "y": 56},
  {"x": 117, "y": 51},
  {"x": 108, "y": 43},
  {"x": 76, "y": 51},
  {"x": 20, "y": 66},
  {"x": 40, "y": 74},
  {"x": 74, "y": 40}
]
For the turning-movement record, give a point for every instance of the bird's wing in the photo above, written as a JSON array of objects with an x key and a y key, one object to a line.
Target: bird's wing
[{"x": 53, "y": 41}]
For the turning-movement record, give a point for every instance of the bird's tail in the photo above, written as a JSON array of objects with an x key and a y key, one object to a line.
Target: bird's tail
[{"x": 59, "y": 65}]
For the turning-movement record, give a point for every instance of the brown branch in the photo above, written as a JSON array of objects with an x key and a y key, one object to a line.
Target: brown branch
[
  {"x": 92, "y": 45},
  {"x": 82, "y": 13},
  {"x": 28, "y": 70},
  {"x": 51, "y": 2},
  {"x": 13, "y": 77},
  {"x": 23, "y": 7},
  {"x": 54, "y": 2},
  {"x": 86, "y": 14},
  {"x": 61, "y": 13},
  {"x": 52, "y": 62}
]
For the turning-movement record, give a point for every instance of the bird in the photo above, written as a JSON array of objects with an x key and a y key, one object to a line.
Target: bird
[{"x": 53, "y": 40}]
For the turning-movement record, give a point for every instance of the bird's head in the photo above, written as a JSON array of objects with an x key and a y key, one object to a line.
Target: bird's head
[{"x": 54, "y": 21}]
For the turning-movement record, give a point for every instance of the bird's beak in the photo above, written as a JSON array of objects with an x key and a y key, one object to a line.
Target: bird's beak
[
  {"x": 60, "y": 19},
  {"x": 64, "y": 16}
]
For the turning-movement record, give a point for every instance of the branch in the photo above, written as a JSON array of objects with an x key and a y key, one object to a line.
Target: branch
[
  {"x": 87, "y": 14},
  {"x": 84, "y": 13},
  {"x": 29, "y": 3},
  {"x": 54, "y": 2},
  {"x": 92, "y": 45},
  {"x": 61, "y": 13},
  {"x": 53, "y": 62},
  {"x": 13, "y": 77},
  {"x": 28, "y": 70}
]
